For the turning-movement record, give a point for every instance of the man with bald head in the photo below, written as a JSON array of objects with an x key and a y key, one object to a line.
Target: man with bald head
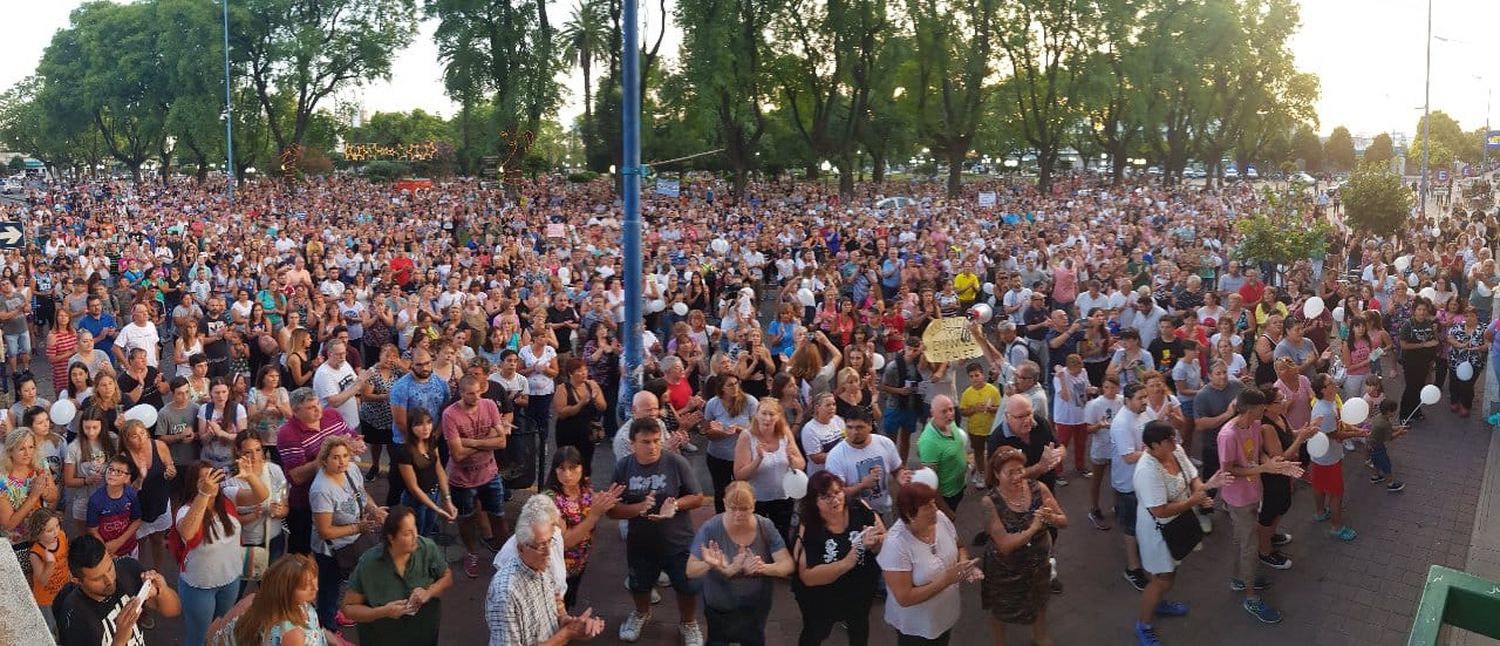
[
  {"x": 942, "y": 448},
  {"x": 1023, "y": 428}
]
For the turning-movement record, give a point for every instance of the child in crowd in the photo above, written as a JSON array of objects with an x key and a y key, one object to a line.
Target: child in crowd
[
  {"x": 978, "y": 404},
  {"x": 49, "y": 560},
  {"x": 1382, "y": 431},
  {"x": 114, "y": 511},
  {"x": 1097, "y": 415}
]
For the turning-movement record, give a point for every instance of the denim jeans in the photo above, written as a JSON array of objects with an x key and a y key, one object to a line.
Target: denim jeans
[
  {"x": 330, "y": 589},
  {"x": 200, "y": 607},
  {"x": 427, "y": 519}
]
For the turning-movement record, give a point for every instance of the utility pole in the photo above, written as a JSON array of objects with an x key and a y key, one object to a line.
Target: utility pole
[
  {"x": 228, "y": 115},
  {"x": 1426, "y": 112},
  {"x": 630, "y": 71}
]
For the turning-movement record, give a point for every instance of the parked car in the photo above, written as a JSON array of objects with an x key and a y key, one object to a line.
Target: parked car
[
  {"x": 1251, "y": 173},
  {"x": 895, "y": 202},
  {"x": 1304, "y": 178}
]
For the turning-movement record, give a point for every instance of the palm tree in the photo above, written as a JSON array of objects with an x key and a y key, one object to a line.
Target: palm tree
[{"x": 586, "y": 38}]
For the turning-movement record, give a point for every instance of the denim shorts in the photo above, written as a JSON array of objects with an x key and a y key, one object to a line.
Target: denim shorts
[
  {"x": 490, "y": 495},
  {"x": 18, "y": 344},
  {"x": 897, "y": 419},
  {"x": 1125, "y": 511}
]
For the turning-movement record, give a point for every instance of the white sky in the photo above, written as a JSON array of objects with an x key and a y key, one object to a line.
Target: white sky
[{"x": 1367, "y": 53}]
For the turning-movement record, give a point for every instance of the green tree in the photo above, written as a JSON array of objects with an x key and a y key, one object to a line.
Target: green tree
[
  {"x": 586, "y": 38},
  {"x": 1447, "y": 135},
  {"x": 1441, "y": 156},
  {"x": 1380, "y": 150},
  {"x": 1307, "y": 147},
  {"x": 826, "y": 75},
  {"x": 1338, "y": 151},
  {"x": 1048, "y": 45},
  {"x": 17, "y": 164},
  {"x": 954, "y": 47},
  {"x": 309, "y": 50},
  {"x": 1112, "y": 107},
  {"x": 1376, "y": 200},
  {"x": 724, "y": 50},
  {"x": 395, "y": 128}
]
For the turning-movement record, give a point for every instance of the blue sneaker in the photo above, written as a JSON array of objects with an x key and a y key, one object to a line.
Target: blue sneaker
[
  {"x": 1260, "y": 582},
  {"x": 1171, "y": 609},
  {"x": 1262, "y": 612},
  {"x": 1145, "y": 635}
]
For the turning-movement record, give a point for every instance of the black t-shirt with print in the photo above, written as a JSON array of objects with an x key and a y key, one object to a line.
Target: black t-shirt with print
[{"x": 82, "y": 621}]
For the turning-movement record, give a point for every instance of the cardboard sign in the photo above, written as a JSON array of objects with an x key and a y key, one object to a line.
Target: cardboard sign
[
  {"x": 949, "y": 340},
  {"x": 987, "y": 198},
  {"x": 557, "y": 230}
]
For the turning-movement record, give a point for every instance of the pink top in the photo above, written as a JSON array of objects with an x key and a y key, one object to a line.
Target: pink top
[{"x": 1241, "y": 447}]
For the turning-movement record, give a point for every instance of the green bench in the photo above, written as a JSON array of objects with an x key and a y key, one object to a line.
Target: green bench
[{"x": 1457, "y": 599}]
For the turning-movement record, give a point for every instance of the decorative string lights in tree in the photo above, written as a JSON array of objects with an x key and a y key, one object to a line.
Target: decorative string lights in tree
[{"x": 419, "y": 152}]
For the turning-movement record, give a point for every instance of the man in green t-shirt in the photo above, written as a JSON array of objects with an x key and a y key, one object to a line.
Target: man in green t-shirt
[{"x": 941, "y": 447}]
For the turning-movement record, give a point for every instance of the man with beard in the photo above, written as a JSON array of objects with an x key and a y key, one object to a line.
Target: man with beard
[
  {"x": 415, "y": 389},
  {"x": 99, "y": 607},
  {"x": 211, "y": 330}
]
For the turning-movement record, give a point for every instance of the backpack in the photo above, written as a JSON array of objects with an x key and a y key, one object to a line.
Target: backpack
[{"x": 1031, "y": 353}]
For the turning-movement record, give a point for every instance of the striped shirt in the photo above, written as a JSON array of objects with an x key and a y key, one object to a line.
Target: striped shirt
[{"x": 299, "y": 445}]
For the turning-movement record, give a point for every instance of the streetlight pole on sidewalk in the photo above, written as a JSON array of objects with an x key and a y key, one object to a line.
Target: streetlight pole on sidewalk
[
  {"x": 228, "y": 115},
  {"x": 1426, "y": 112},
  {"x": 630, "y": 169}
]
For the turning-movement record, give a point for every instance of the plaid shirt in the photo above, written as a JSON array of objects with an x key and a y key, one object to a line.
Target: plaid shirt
[{"x": 521, "y": 605}]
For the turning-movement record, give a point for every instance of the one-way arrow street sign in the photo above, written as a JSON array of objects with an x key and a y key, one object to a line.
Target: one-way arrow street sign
[{"x": 11, "y": 234}]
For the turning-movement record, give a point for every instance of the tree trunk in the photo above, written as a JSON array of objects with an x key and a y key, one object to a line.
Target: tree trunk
[
  {"x": 1117, "y": 164},
  {"x": 846, "y": 179},
  {"x": 955, "y": 170},
  {"x": 877, "y": 168},
  {"x": 1046, "y": 160}
]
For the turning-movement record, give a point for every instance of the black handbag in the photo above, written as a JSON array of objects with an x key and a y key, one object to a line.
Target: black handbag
[{"x": 1182, "y": 533}]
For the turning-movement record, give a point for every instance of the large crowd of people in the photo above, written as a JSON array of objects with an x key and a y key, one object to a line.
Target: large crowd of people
[{"x": 229, "y": 381}]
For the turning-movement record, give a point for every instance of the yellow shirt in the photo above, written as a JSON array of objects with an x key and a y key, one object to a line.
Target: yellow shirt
[
  {"x": 979, "y": 424},
  {"x": 967, "y": 286}
]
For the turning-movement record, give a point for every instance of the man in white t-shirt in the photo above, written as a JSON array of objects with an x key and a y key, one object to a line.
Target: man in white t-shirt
[
  {"x": 139, "y": 333},
  {"x": 337, "y": 384},
  {"x": 1125, "y": 436},
  {"x": 868, "y": 464},
  {"x": 1097, "y": 417}
]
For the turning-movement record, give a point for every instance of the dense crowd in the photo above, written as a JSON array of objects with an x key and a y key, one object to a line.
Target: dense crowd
[{"x": 229, "y": 380}]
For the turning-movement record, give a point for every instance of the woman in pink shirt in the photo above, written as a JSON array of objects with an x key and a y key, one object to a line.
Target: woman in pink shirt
[{"x": 1064, "y": 283}]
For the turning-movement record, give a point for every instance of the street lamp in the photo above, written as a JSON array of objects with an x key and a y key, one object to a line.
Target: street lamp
[
  {"x": 228, "y": 114},
  {"x": 1426, "y": 112}
]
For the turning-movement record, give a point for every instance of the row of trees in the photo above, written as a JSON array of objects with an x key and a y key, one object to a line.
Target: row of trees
[
  {"x": 772, "y": 85},
  {"x": 130, "y": 83}
]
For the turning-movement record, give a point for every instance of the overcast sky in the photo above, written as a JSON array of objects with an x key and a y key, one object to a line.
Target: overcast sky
[{"x": 1369, "y": 55}]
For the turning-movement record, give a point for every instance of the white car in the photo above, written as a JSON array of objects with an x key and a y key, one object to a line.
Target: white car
[
  {"x": 896, "y": 202},
  {"x": 11, "y": 186},
  {"x": 1304, "y": 178}
]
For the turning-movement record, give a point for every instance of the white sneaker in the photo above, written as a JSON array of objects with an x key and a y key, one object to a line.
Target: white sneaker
[
  {"x": 630, "y": 631},
  {"x": 662, "y": 580},
  {"x": 655, "y": 596},
  {"x": 691, "y": 635},
  {"x": 1349, "y": 445},
  {"x": 977, "y": 481},
  {"x": 1205, "y": 523}
]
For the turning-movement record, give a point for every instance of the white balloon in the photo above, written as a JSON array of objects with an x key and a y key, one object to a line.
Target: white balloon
[
  {"x": 1428, "y": 293},
  {"x": 680, "y": 309},
  {"x": 1412, "y": 280},
  {"x": 795, "y": 484},
  {"x": 1355, "y": 411},
  {"x": 1338, "y": 314},
  {"x": 1464, "y": 371},
  {"x": 1483, "y": 289},
  {"x": 720, "y": 246},
  {"x": 805, "y": 296},
  {"x": 1313, "y": 308},
  {"x": 989, "y": 288},
  {"x": 1403, "y": 263},
  {"x": 143, "y": 413},
  {"x": 982, "y": 313},
  {"x": 1431, "y": 394},
  {"x": 1317, "y": 445},
  {"x": 656, "y": 305},
  {"x": 63, "y": 412},
  {"x": 877, "y": 361},
  {"x": 926, "y": 476}
]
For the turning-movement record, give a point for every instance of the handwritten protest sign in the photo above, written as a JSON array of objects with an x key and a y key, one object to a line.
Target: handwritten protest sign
[{"x": 949, "y": 340}]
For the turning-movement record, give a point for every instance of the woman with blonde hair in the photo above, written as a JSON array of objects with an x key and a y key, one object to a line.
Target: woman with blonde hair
[
  {"x": 282, "y": 610},
  {"x": 763, "y": 456},
  {"x": 736, "y": 554},
  {"x": 856, "y": 391}
]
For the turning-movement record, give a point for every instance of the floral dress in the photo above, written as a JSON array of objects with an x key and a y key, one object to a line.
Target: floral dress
[
  {"x": 312, "y": 635},
  {"x": 573, "y": 511},
  {"x": 1016, "y": 586},
  {"x": 16, "y": 490}
]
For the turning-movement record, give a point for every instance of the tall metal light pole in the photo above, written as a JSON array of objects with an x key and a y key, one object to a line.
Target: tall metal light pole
[
  {"x": 228, "y": 115},
  {"x": 1426, "y": 112},
  {"x": 630, "y": 168}
]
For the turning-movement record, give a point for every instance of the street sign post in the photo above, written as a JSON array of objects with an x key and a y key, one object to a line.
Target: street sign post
[{"x": 11, "y": 234}]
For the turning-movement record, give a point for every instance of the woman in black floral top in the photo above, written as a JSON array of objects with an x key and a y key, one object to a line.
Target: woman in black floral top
[{"x": 1466, "y": 345}]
